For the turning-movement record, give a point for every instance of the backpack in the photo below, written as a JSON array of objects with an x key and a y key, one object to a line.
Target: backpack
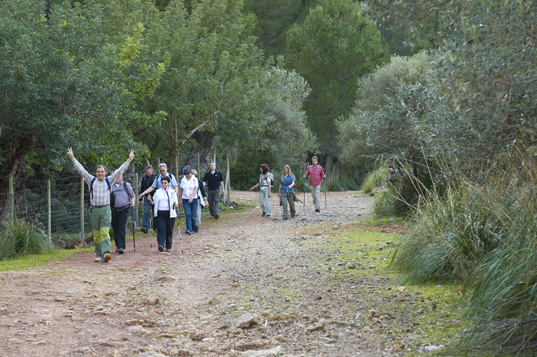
[
  {"x": 91, "y": 188},
  {"x": 169, "y": 175},
  {"x": 113, "y": 195}
]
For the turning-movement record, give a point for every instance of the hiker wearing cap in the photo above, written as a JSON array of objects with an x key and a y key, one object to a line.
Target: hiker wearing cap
[
  {"x": 165, "y": 200},
  {"x": 393, "y": 172},
  {"x": 121, "y": 198},
  {"x": 215, "y": 183},
  {"x": 147, "y": 181},
  {"x": 189, "y": 199},
  {"x": 286, "y": 193},
  {"x": 265, "y": 185},
  {"x": 316, "y": 175},
  {"x": 100, "y": 214},
  {"x": 157, "y": 182},
  {"x": 202, "y": 198}
]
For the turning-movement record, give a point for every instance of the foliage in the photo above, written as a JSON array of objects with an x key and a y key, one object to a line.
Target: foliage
[
  {"x": 22, "y": 238},
  {"x": 375, "y": 178},
  {"x": 336, "y": 44}
]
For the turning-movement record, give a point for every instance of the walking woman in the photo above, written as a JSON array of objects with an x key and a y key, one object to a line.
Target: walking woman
[
  {"x": 265, "y": 184},
  {"x": 165, "y": 200},
  {"x": 286, "y": 193},
  {"x": 189, "y": 199},
  {"x": 202, "y": 198}
]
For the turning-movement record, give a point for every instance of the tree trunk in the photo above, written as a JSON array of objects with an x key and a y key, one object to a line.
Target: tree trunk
[
  {"x": 329, "y": 159},
  {"x": 15, "y": 165},
  {"x": 205, "y": 142}
]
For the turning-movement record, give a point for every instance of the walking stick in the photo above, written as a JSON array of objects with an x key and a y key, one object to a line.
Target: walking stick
[
  {"x": 325, "y": 194},
  {"x": 133, "y": 226},
  {"x": 180, "y": 238}
]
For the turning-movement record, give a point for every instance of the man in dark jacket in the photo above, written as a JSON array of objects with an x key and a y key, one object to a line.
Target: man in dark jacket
[
  {"x": 146, "y": 200},
  {"x": 214, "y": 181}
]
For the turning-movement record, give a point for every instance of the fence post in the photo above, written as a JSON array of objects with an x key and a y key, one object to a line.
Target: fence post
[
  {"x": 227, "y": 199},
  {"x": 49, "y": 212},
  {"x": 198, "y": 168},
  {"x": 11, "y": 201},
  {"x": 136, "y": 186},
  {"x": 82, "y": 236}
]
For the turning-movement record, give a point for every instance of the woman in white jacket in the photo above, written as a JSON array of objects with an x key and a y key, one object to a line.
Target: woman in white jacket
[{"x": 165, "y": 201}]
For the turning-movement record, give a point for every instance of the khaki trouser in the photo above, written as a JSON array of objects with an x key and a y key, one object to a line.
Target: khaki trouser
[
  {"x": 316, "y": 196},
  {"x": 101, "y": 218},
  {"x": 264, "y": 201},
  {"x": 288, "y": 198}
]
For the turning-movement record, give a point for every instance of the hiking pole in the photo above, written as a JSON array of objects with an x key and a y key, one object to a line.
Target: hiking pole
[
  {"x": 324, "y": 180},
  {"x": 180, "y": 238},
  {"x": 133, "y": 226}
]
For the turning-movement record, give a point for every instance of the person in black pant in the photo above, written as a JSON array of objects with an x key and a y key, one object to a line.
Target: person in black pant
[
  {"x": 165, "y": 200},
  {"x": 214, "y": 180},
  {"x": 121, "y": 198},
  {"x": 146, "y": 201}
]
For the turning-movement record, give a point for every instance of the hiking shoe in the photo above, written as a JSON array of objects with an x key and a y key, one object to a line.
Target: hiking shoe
[
  {"x": 189, "y": 232},
  {"x": 98, "y": 260},
  {"x": 317, "y": 210},
  {"x": 143, "y": 230},
  {"x": 160, "y": 248},
  {"x": 263, "y": 214},
  {"x": 168, "y": 250},
  {"x": 217, "y": 216},
  {"x": 106, "y": 257},
  {"x": 117, "y": 250},
  {"x": 284, "y": 219},
  {"x": 121, "y": 251}
]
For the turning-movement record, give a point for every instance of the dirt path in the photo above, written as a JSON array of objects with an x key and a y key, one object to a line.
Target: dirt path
[{"x": 151, "y": 304}]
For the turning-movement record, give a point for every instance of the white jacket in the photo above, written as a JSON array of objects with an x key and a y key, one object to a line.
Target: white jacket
[{"x": 160, "y": 195}]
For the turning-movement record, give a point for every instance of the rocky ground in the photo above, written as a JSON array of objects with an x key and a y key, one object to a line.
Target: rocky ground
[{"x": 244, "y": 286}]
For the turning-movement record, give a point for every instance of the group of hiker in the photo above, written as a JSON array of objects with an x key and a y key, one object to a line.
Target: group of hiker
[
  {"x": 111, "y": 200},
  {"x": 286, "y": 191}
]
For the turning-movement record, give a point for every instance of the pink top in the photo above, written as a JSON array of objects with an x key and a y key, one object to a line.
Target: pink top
[{"x": 316, "y": 175}]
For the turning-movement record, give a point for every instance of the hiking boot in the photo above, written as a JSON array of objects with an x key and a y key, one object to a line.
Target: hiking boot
[
  {"x": 98, "y": 260},
  {"x": 263, "y": 214},
  {"x": 121, "y": 251},
  {"x": 217, "y": 216},
  {"x": 317, "y": 210},
  {"x": 106, "y": 257},
  {"x": 160, "y": 248},
  {"x": 143, "y": 230}
]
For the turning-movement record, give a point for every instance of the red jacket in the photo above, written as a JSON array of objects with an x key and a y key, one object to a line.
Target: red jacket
[{"x": 316, "y": 175}]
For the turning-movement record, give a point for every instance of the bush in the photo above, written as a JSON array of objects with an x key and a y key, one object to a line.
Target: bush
[
  {"x": 23, "y": 238},
  {"x": 375, "y": 179}
]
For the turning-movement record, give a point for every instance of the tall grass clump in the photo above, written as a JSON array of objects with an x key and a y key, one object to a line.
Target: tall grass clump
[
  {"x": 375, "y": 179},
  {"x": 22, "y": 238}
]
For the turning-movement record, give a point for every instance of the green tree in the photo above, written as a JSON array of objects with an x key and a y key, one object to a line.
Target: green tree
[{"x": 335, "y": 45}]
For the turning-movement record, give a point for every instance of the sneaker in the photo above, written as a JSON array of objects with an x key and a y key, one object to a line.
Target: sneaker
[
  {"x": 217, "y": 216},
  {"x": 160, "y": 248},
  {"x": 106, "y": 257},
  {"x": 143, "y": 230},
  {"x": 317, "y": 210},
  {"x": 284, "y": 219},
  {"x": 268, "y": 215},
  {"x": 263, "y": 214},
  {"x": 98, "y": 260},
  {"x": 168, "y": 250},
  {"x": 189, "y": 232},
  {"x": 117, "y": 250},
  {"x": 121, "y": 251}
]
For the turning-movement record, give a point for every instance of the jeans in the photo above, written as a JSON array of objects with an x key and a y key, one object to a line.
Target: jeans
[
  {"x": 119, "y": 221},
  {"x": 190, "y": 214},
  {"x": 147, "y": 213},
  {"x": 214, "y": 201},
  {"x": 165, "y": 229},
  {"x": 288, "y": 198},
  {"x": 264, "y": 201}
]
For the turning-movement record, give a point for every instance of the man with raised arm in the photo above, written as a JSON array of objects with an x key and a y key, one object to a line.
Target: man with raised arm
[{"x": 100, "y": 214}]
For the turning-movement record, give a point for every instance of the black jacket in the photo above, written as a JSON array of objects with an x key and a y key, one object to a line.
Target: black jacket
[{"x": 147, "y": 181}]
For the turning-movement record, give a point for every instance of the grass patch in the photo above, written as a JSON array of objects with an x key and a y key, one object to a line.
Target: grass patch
[{"x": 33, "y": 260}]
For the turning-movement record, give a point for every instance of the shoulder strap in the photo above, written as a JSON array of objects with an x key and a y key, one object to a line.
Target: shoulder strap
[
  {"x": 126, "y": 190},
  {"x": 92, "y": 181}
]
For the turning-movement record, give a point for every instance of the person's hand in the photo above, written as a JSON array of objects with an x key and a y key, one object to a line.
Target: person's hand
[
  {"x": 132, "y": 204},
  {"x": 190, "y": 200},
  {"x": 131, "y": 155},
  {"x": 140, "y": 203},
  {"x": 175, "y": 204},
  {"x": 180, "y": 203},
  {"x": 251, "y": 188},
  {"x": 150, "y": 199},
  {"x": 269, "y": 194},
  {"x": 324, "y": 176},
  {"x": 304, "y": 176},
  {"x": 70, "y": 153},
  {"x": 278, "y": 195},
  {"x": 140, "y": 196}
]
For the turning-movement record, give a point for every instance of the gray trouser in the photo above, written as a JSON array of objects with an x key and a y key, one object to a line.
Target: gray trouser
[
  {"x": 288, "y": 198},
  {"x": 316, "y": 196},
  {"x": 214, "y": 201},
  {"x": 264, "y": 201}
]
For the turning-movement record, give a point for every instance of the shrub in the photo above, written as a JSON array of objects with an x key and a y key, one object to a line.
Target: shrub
[
  {"x": 22, "y": 238},
  {"x": 375, "y": 179}
]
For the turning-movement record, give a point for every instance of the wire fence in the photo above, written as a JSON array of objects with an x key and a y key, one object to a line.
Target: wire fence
[{"x": 60, "y": 207}]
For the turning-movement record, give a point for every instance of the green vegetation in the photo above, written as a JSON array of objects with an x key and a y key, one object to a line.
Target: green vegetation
[
  {"x": 375, "y": 179},
  {"x": 33, "y": 260},
  {"x": 22, "y": 238}
]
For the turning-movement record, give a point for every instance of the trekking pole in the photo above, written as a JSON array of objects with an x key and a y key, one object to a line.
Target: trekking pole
[
  {"x": 324, "y": 180},
  {"x": 133, "y": 226},
  {"x": 180, "y": 238}
]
